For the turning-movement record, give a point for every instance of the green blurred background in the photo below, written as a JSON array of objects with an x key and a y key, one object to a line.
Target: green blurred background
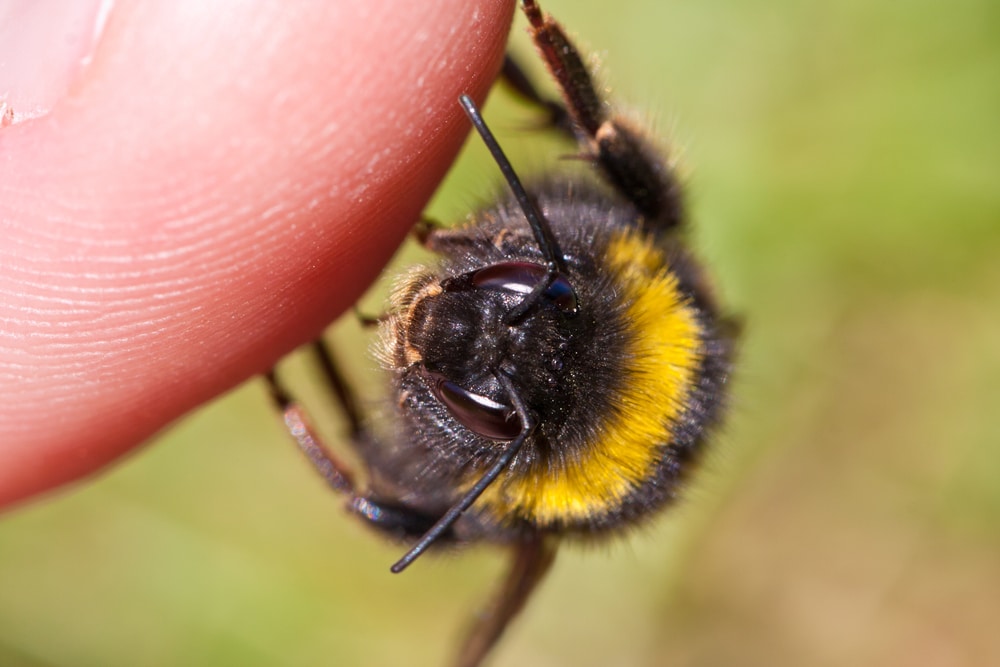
[{"x": 844, "y": 170}]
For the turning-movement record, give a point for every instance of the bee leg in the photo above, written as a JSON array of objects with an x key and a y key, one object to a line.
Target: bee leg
[
  {"x": 335, "y": 380},
  {"x": 336, "y": 472},
  {"x": 443, "y": 239},
  {"x": 531, "y": 561},
  {"x": 621, "y": 152},
  {"x": 518, "y": 80},
  {"x": 368, "y": 321},
  {"x": 396, "y": 520},
  {"x": 425, "y": 228}
]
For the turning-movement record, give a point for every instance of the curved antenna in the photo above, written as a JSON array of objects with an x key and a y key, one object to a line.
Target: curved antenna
[
  {"x": 452, "y": 515},
  {"x": 539, "y": 225}
]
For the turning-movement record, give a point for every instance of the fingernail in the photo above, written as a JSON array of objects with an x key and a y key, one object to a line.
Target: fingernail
[{"x": 44, "y": 46}]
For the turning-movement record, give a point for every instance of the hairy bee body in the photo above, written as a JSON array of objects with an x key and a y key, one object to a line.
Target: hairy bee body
[{"x": 624, "y": 392}]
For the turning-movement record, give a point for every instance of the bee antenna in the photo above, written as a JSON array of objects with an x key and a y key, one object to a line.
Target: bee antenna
[
  {"x": 539, "y": 225},
  {"x": 456, "y": 511}
]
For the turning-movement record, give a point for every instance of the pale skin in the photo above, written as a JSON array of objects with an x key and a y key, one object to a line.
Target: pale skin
[{"x": 204, "y": 196}]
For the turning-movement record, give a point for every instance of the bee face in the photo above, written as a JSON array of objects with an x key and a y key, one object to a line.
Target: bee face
[
  {"x": 458, "y": 335},
  {"x": 556, "y": 374}
]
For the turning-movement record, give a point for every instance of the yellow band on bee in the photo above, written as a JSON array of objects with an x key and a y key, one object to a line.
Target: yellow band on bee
[{"x": 662, "y": 356}]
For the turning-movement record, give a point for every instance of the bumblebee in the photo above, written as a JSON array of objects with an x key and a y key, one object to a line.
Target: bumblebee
[{"x": 556, "y": 374}]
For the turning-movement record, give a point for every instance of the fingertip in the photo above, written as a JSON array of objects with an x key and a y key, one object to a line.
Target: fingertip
[{"x": 208, "y": 196}]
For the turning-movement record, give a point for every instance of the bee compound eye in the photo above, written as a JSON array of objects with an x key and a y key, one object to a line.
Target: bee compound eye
[
  {"x": 521, "y": 277},
  {"x": 480, "y": 414}
]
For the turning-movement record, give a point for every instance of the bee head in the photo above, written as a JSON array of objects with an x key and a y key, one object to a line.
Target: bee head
[{"x": 475, "y": 327}]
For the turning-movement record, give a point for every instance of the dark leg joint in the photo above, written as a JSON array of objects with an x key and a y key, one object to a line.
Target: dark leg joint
[{"x": 398, "y": 521}]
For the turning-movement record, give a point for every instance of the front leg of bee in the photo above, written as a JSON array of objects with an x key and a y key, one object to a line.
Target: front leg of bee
[
  {"x": 396, "y": 520},
  {"x": 448, "y": 241},
  {"x": 620, "y": 151}
]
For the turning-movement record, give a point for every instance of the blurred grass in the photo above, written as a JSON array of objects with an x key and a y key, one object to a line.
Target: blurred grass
[{"x": 845, "y": 185}]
